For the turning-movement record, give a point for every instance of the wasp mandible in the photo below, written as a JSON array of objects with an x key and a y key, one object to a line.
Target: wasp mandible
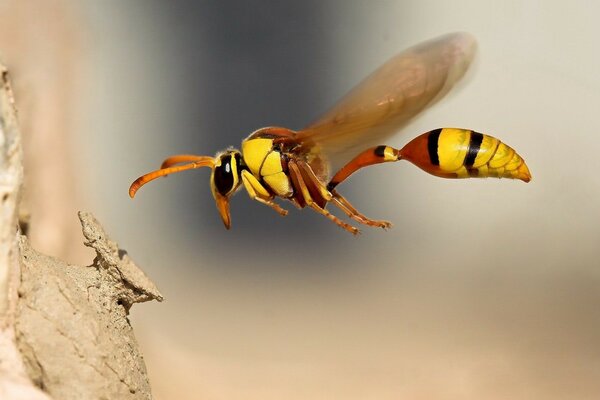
[{"x": 294, "y": 165}]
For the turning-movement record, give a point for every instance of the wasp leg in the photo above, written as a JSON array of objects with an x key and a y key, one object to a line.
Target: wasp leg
[
  {"x": 300, "y": 185},
  {"x": 257, "y": 192},
  {"x": 353, "y": 213},
  {"x": 318, "y": 190},
  {"x": 374, "y": 155}
]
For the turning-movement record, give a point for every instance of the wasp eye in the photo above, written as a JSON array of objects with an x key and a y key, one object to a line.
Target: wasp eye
[{"x": 223, "y": 178}]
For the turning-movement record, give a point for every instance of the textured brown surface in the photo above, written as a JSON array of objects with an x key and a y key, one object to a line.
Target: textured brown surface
[
  {"x": 72, "y": 325},
  {"x": 63, "y": 328},
  {"x": 14, "y": 383}
]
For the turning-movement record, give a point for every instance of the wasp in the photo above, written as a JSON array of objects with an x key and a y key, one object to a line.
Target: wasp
[{"x": 277, "y": 162}]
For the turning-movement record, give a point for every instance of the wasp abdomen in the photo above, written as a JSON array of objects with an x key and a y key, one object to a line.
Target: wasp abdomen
[{"x": 462, "y": 153}]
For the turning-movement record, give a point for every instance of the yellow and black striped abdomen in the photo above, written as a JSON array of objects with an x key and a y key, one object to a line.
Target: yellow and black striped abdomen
[{"x": 462, "y": 153}]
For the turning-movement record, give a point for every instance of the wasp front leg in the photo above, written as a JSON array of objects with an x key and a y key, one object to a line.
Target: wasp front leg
[{"x": 257, "y": 192}]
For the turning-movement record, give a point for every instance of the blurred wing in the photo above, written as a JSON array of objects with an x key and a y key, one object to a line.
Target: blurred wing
[{"x": 386, "y": 100}]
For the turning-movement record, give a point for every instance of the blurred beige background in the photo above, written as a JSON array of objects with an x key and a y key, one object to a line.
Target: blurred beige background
[{"x": 483, "y": 289}]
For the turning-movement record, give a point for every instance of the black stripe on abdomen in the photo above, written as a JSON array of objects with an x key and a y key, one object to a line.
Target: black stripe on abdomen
[
  {"x": 474, "y": 145},
  {"x": 432, "y": 146}
]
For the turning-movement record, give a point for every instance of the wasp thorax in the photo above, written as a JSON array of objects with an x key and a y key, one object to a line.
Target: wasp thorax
[{"x": 226, "y": 173}]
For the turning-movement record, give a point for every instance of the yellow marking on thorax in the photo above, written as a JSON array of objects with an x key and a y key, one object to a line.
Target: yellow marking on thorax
[
  {"x": 280, "y": 184},
  {"x": 453, "y": 145},
  {"x": 271, "y": 164},
  {"x": 255, "y": 151},
  {"x": 272, "y": 173},
  {"x": 265, "y": 164}
]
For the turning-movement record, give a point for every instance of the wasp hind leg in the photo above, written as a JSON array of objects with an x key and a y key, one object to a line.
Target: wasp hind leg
[
  {"x": 372, "y": 156},
  {"x": 298, "y": 173},
  {"x": 257, "y": 192},
  {"x": 353, "y": 213}
]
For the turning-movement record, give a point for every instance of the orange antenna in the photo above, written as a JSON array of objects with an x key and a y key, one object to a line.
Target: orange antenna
[
  {"x": 167, "y": 169},
  {"x": 181, "y": 158}
]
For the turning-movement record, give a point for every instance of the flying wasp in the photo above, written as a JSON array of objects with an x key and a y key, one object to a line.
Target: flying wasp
[{"x": 294, "y": 165}]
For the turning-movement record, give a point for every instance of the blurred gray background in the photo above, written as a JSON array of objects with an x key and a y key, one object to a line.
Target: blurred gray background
[{"x": 483, "y": 288}]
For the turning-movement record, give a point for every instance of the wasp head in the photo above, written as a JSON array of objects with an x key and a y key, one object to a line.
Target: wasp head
[{"x": 225, "y": 180}]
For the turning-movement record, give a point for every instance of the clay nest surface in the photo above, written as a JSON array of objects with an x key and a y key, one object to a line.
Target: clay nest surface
[{"x": 71, "y": 324}]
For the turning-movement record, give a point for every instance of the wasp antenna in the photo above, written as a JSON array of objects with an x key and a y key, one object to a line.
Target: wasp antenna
[
  {"x": 203, "y": 161},
  {"x": 181, "y": 158}
]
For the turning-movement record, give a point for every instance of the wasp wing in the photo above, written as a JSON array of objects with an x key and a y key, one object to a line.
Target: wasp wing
[{"x": 387, "y": 99}]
